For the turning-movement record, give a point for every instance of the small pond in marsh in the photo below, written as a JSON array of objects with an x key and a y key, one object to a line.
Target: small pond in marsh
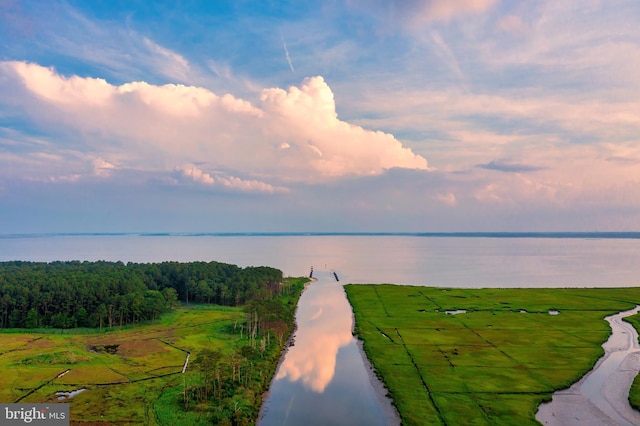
[{"x": 69, "y": 394}]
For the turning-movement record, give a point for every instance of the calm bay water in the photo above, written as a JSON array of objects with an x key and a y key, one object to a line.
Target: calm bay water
[
  {"x": 323, "y": 378},
  {"x": 433, "y": 261}
]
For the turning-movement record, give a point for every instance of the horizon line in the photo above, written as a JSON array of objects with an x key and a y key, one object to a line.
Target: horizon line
[{"x": 461, "y": 234}]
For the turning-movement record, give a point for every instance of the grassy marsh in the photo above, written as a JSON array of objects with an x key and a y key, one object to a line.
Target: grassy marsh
[
  {"x": 493, "y": 364},
  {"x": 123, "y": 386},
  {"x": 634, "y": 392},
  {"x": 133, "y": 375}
]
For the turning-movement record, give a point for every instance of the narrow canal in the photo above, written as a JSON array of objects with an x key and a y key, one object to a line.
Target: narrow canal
[{"x": 324, "y": 378}]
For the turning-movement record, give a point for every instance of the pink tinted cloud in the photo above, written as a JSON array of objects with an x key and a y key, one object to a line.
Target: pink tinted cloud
[
  {"x": 415, "y": 14},
  {"x": 291, "y": 135},
  {"x": 445, "y": 10},
  {"x": 194, "y": 173}
]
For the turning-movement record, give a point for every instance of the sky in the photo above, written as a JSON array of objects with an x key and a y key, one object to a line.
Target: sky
[{"x": 332, "y": 116}]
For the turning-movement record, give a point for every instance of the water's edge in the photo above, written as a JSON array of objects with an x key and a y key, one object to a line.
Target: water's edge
[
  {"x": 287, "y": 345},
  {"x": 390, "y": 411},
  {"x": 600, "y": 397}
]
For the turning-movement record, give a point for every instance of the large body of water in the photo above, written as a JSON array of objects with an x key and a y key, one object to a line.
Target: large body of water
[
  {"x": 400, "y": 259},
  {"x": 323, "y": 378}
]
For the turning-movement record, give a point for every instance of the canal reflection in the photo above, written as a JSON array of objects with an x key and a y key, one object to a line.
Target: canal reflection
[
  {"x": 324, "y": 324},
  {"x": 323, "y": 378}
]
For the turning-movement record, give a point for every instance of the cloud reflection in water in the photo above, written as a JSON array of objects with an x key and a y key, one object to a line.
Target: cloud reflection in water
[{"x": 324, "y": 326}]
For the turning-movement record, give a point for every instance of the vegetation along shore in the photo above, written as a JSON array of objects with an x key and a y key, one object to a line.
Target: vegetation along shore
[
  {"x": 161, "y": 343},
  {"x": 482, "y": 356},
  {"x": 198, "y": 343}
]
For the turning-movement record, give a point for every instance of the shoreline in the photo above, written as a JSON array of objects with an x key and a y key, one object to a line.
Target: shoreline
[
  {"x": 574, "y": 405},
  {"x": 265, "y": 394},
  {"x": 392, "y": 416}
]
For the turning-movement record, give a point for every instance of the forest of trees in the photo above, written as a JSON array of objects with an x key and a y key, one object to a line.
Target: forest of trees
[
  {"x": 107, "y": 294},
  {"x": 229, "y": 385}
]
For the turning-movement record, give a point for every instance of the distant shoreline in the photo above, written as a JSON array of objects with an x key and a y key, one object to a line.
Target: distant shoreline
[{"x": 556, "y": 235}]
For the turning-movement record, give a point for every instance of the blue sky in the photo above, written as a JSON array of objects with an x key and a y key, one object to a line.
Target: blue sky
[{"x": 353, "y": 115}]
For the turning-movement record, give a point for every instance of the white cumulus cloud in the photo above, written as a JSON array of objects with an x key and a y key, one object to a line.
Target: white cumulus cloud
[
  {"x": 197, "y": 175},
  {"x": 291, "y": 135},
  {"x": 193, "y": 173},
  {"x": 307, "y": 118}
]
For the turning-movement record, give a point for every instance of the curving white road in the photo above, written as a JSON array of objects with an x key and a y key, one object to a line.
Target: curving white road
[{"x": 601, "y": 397}]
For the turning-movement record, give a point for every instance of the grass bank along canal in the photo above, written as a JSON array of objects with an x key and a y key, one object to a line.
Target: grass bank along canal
[
  {"x": 324, "y": 378},
  {"x": 601, "y": 396},
  {"x": 503, "y": 353}
]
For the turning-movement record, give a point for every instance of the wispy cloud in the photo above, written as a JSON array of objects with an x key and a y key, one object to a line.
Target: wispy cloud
[
  {"x": 286, "y": 52},
  {"x": 447, "y": 198},
  {"x": 112, "y": 48},
  {"x": 219, "y": 180},
  {"x": 415, "y": 14},
  {"x": 509, "y": 167},
  {"x": 447, "y": 56},
  {"x": 170, "y": 63}
]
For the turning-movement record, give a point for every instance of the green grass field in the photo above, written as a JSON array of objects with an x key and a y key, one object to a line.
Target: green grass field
[
  {"x": 492, "y": 365},
  {"x": 134, "y": 375},
  {"x": 123, "y": 386},
  {"x": 634, "y": 392}
]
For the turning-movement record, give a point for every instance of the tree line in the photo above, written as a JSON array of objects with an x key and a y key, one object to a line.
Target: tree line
[
  {"x": 106, "y": 294},
  {"x": 229, "y": 385}
]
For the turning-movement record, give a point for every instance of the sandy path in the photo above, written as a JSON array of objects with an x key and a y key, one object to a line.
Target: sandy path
[{"x": 601, "y": 396}]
